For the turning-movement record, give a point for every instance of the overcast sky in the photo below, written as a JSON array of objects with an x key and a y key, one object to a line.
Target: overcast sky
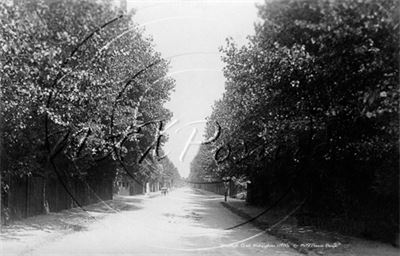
[{"x": 193, "y": 30}]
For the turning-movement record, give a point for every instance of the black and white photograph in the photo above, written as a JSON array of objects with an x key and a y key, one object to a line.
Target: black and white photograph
[{"x": 199, "y": 127}]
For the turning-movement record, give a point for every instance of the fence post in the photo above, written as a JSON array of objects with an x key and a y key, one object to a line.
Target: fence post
[{"x": 26, "y": 196}]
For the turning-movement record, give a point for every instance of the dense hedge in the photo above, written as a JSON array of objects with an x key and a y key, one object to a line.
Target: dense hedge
[{"x": 311, "y": 104}]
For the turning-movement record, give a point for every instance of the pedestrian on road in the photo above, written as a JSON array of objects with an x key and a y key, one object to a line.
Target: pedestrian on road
[{"x": 164, "y": 191}]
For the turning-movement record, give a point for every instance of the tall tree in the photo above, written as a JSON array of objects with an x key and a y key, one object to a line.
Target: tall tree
[
  {"x": 314, "y": 98},
  {"x": 79, "y": 81}
]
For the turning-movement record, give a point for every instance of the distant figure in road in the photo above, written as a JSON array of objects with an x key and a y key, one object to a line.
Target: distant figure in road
[{"x": 164, "y": 191}]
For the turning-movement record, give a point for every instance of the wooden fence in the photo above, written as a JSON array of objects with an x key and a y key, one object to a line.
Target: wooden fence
[{"x": 32, "y": 195}]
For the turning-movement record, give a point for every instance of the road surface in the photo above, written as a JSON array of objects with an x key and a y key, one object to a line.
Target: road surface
[{"x": 185, "y": 222}]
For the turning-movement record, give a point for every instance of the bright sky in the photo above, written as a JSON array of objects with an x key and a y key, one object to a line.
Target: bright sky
[{"x": 194, "y": 30}]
